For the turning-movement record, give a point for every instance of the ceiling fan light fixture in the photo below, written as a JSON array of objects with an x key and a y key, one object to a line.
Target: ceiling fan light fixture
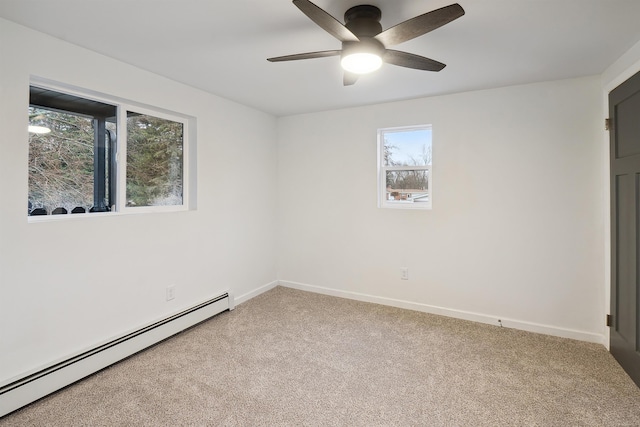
[
  {"x": 362, "y": 57},
  {"x": 361, "y": 62}
]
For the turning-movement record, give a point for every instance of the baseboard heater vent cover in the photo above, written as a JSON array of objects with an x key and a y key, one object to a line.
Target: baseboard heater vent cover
[{"x": 34, "y": 386}]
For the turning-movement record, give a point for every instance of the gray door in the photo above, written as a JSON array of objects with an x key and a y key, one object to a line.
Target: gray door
[{"x": 624, "y": 114}]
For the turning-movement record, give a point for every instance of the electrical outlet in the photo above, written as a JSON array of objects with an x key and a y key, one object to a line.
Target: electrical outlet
[
  {"x": 404, "y": 273},
  {"x": 171, "y": 292}
]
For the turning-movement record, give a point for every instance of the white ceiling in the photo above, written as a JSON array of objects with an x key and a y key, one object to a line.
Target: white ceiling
[{"x": 221, "y": 46}]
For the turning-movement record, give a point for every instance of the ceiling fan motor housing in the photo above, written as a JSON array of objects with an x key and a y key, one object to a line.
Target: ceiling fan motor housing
[{"x": 363, "y": 20}]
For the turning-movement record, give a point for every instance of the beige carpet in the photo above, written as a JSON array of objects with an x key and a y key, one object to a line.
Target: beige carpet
[{"x": 292, "y": 358}]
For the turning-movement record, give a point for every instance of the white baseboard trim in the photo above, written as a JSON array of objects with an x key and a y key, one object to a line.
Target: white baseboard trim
[
  {"x": 27, "y": 388},
  {"x": 255, "y": 292},
  {"x": 458, "y": 314}
]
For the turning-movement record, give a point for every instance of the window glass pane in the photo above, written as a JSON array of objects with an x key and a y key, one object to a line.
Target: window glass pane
[
  {"x": 408, "y": 186},
  {"x": 62, "y": 161},
  {"x": 154, "y": 161},
  {"x": 407, "y": 147}
]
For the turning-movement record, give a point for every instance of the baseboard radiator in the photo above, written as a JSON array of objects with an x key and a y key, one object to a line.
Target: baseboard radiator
[{"x": 36, "y": 385}]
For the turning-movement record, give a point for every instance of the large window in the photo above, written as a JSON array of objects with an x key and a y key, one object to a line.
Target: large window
[
  {"x": 404, "y": 167},
  {"x": 88, "y": 155}
]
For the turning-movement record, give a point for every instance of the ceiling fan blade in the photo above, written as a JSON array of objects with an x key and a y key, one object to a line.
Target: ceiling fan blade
[
  {"x": 308, "y": 55},
  {"x": 420, "y": 25},
  {"x": 349, "y": 78},
  {"x": 409, "y": 60},
  {"x": 326, "y": 21}
]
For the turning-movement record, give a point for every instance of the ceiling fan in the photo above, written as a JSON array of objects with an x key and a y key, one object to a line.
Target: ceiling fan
[{"x": 364, "y": 44}]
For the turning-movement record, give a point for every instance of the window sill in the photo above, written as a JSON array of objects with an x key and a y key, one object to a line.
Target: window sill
[
  {"x": 406, "y": 205},
  {"x": 128, "y": 211}
]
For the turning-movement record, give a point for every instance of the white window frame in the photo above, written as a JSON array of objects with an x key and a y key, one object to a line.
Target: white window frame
[
  {"x": 121, "y": 160},
  {"x": 383, "y": 169},
  {"x": 122, "y": 106}
]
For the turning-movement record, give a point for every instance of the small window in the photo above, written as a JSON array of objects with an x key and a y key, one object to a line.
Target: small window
[
  {"x": 89, "y": 156},
  {"x": 404, "y": 167}
]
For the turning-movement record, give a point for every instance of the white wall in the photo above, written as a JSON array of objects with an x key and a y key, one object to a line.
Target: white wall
[
  {"x": 516, "y": 231},
  {"x": 67, "y": 285}
]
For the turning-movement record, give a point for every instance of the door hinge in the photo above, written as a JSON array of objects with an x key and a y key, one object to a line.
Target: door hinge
[
  {"x": 607, "y": 124},
  {"x": 608, "y": 320}
]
